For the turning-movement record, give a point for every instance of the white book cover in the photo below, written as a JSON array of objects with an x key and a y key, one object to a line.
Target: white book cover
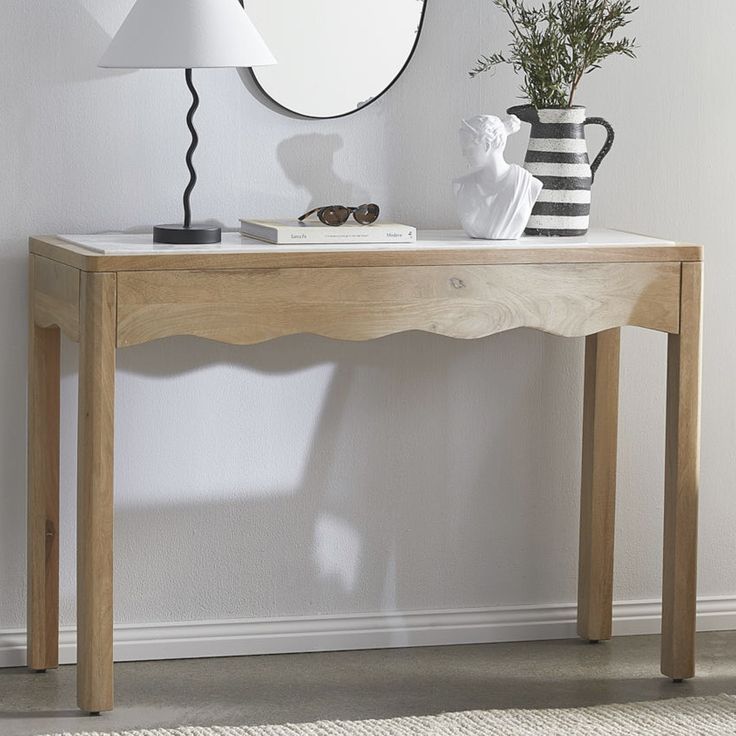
[{"x": 281, "y": 232}]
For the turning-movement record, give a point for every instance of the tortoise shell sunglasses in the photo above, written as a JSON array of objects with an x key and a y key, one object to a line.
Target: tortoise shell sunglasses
[{"x": 338, "y": 214}]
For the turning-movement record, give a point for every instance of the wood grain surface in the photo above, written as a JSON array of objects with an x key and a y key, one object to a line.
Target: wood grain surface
[
  {"x": 682, "y": 472},
  {"x": 250, "y": 306},
  {"x": 56, "y": 295},
  {"x": 44, "y": 345},
  {"x": 95, "y": 492},
  {"x": 598, "y": 485}
]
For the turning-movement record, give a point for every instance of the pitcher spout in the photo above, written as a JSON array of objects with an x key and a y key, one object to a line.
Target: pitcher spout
[{"x": 525, "y": 113}]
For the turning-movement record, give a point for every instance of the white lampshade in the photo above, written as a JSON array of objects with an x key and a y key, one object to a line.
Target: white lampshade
[{"x": 186, "y": 34}]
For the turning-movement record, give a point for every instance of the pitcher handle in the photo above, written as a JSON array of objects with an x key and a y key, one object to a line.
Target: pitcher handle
[{"x": 610, "y": 135}]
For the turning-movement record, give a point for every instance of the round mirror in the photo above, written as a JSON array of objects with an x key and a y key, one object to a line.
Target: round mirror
[{"x": 334, "y": 56}]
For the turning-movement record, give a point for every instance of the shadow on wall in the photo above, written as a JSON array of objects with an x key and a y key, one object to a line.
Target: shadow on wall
[
  {"x": 309, "y": 163},
  {"x": 411, "y": 155},
  {"x": 392, "y": 500}
]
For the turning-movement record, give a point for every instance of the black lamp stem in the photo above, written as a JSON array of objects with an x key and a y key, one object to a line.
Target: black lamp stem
[
  {"x": 186, "y": 234},
  {"x": 192, "y": 148}
]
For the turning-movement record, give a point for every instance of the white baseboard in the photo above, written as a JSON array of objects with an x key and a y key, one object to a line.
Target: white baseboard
[{"x": 363, "y": 631}]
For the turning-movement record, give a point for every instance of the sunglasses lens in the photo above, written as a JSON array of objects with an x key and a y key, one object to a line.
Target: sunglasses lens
[
  {"x": 366, "y": 213},
  {"x": 334, "y": 215}
]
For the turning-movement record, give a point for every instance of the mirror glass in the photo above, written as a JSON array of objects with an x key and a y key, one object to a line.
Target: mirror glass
[{"x": 334, "y": 56}]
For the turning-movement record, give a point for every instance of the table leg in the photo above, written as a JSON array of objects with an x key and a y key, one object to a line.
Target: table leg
[
  {"x": 43, "y": 493},
  {"x": 598, "y": 485},
  {"x": 681, "y": 482},
  {"x": 95, "y": 491}
]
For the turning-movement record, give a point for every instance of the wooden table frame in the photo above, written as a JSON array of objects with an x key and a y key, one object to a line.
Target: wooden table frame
[{"x": 107, "y": 302}]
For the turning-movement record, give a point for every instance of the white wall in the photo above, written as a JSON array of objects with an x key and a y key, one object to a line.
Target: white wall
[{"x": 307, "y": 477}]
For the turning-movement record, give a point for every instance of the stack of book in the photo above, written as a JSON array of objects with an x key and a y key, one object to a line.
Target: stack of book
[{"x": 281, "y": 232}]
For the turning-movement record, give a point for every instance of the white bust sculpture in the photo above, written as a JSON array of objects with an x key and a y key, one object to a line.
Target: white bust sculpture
[{"x": 495, "y": 200}]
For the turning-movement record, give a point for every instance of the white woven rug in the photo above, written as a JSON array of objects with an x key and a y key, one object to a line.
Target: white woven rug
[{"x": 675, "y": 717}]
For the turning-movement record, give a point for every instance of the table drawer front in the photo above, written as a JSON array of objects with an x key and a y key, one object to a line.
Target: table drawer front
[{"x": 253, "y": 305}]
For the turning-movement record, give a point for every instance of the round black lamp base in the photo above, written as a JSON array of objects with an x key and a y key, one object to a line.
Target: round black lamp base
[{"x": 180, "y": 235}]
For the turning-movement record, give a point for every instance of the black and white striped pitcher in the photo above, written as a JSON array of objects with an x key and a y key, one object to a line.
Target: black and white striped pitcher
[{"x": 558, "y": 157}]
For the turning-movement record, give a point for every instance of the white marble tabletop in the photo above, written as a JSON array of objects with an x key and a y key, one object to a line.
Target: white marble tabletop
[{"x": 234, "y": 242}]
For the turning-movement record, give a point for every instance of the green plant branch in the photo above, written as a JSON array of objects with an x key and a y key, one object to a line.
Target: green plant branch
[{"x": 556, "y": 43}]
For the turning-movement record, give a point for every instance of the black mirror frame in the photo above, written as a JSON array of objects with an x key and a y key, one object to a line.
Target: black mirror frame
[{"x": 278, "y": 107}]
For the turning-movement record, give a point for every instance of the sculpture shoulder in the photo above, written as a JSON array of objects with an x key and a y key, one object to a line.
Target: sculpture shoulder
[{"x": 529, "y": 179}]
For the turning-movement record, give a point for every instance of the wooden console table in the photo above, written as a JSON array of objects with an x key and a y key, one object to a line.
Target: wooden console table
[{"x": 445, "y": 284}]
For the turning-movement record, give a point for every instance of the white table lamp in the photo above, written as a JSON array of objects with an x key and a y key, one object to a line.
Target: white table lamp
[{"x": 187, "y": 34}]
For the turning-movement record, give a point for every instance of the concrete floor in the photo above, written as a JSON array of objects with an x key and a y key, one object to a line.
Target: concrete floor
[{"x": 364, "y": 684}]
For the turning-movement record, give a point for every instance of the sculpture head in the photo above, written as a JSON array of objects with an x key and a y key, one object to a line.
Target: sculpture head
[{"x": 484, "y": 136}]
